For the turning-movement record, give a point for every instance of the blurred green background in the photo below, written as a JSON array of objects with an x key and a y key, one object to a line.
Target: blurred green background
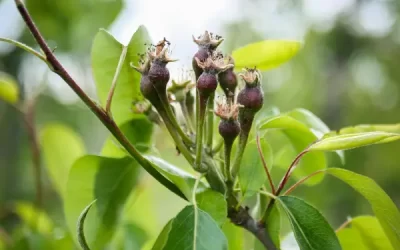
[{"x": 347, "y": 73}]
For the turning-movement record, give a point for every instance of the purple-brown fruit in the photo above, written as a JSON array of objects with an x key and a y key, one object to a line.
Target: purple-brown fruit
[
  {"x": 229, "y": 130},
  {"x": 228, "y": 80},
  {"x": 251, "y": 99},
  {"x": 207, "y": 44},
  {"x": 159, "y": 74},
  {"x": 207, "y": 84}
]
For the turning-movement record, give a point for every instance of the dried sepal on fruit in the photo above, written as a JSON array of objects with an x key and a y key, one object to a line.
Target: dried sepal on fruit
[
  {"x": 251, "y": 98},
  {"x": 207, "y": 44}
]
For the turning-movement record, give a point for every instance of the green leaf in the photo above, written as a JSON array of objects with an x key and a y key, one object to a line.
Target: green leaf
[
  {"x": 195, "y": 229},
  {"x": 371, "y": 232},
  {"x": 75, "y": 18},
  {"x": 26, "y": 48},
  {"x": 163, "y": 236},
  {"x": 309, "y": 119},
  {"x": 9, "y": 91},
  {"x": 107, "y": 180},
  {"x": 214, "y": 204},
  {"x": 251, "y": 173},
  {"x": 349, "y": 141},
  {"x": 135, "y": 237},
  {"x": 273, "y": 228},
  {"x": 390, "y": 128},
  {"x": 265, "y": 54},
  {"x": 183, "y": 180},
  {"x": 310, "y": 228},
  {"x": 300, "y": 137},
  {"x": 138, "y": 132},
  {"x": 385, "y": 210},
  {"x": 81, "y": 226},
  {"x": 35, "y": 218},
  {"x": 314, "y": 123},
  {"x": 234, "y": 235},
  {"x": 350, "y": 239},
  {"x": 57, "y": 156},
  {"x": 106, "y": 52}
]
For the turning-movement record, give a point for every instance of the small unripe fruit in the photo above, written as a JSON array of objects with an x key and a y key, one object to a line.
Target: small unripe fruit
[
  {"x": 207, "y": 84},
  {"x": 228, "y": 80},
  {"x": 229, "y": 130},
  {"x": 146, "y": 86},
  {"x": 207, "y": 44},
  {"x": 159, "y": 74},
  {"x": 251, "y": 99}
]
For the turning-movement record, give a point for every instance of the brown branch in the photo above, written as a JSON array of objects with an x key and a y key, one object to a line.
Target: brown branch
[
  {"x": 242, "y": 218},
  {"x": 110, "y": 124}
]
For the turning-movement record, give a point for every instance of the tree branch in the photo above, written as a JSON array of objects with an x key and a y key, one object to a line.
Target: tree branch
[{"x": 110, "y": 124}]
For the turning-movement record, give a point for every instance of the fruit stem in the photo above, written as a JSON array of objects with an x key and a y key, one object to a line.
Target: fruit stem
[
  {"x": 210, "y": 121},
  {"x": 243, "y": 137},
  {"x": 202, "y": 104},
  {"x": 178, "y": 141},
  {"x": 186, "y": 116},
  {"x": 227, "y": 156},
  {"x": 171, "y": 117}
]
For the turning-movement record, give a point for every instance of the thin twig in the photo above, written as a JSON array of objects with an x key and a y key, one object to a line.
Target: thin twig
[
  {"x": 115, "y": 79},
  {"x": 29, "y": 119},
  {"x": 345, "y": 224},
  {"x": 289, "y": 190},
  {"x": 210, "y": 122},
  {"x": 289, "y": 171},
  {"x": 264, "y": 162},
  {"x": 57, "y": 68}
]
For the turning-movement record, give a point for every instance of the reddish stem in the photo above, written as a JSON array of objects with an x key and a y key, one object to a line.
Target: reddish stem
[
  {"x": 265, "y": 164},
  {"x": 301, "y": 182}
]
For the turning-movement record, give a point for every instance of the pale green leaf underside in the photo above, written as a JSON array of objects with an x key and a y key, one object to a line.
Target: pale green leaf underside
[
  {"x": 265, "y": 54},
  {"x": 349, "y": 141},
  {"x": 385, "y": 210},
  {"x": 59, "y": 158},
  {"x": 106, "y": 52}
]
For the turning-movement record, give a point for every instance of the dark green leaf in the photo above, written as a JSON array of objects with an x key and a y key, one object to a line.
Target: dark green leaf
[
  {"x": 310, "y": 228},
  {"x": 385, "y": 210},
  {"x": 265, "y": 54},
  {"x": 109, "y": 181},
  {"x": 9, "y": 91},
  {"x": 193, "y": 228},
  {"x": 81, "y": 226},
  {"x": 251, "y": 174},
  {"x": 214, "y": 204},
  {"x": 57, "y": 157},
  {"x": 349, "y": 141},
  {"x": 106, "y": 52},
  {"x": 300, "y": 137},
  {"x": 163, "y": 236}
]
